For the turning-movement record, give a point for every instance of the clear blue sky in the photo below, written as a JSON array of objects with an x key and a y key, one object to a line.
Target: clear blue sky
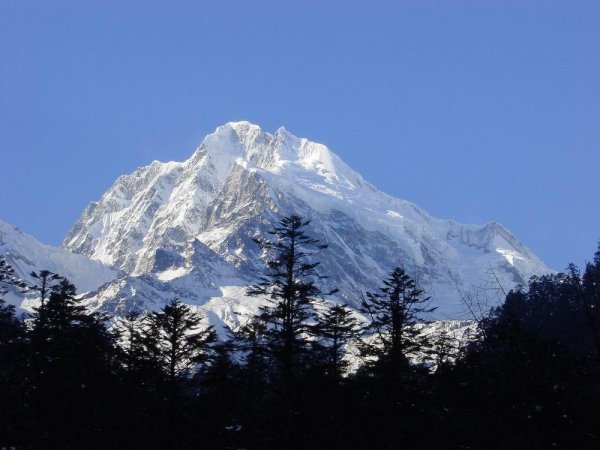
[{"x": 475, "y": 110}]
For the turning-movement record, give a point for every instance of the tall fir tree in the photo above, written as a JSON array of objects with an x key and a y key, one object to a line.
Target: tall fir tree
[
  {"x": 251, "y": 342},
  {"x": 72, "y": 356},
  {"x": 336, "y": 327},
  {"x": 176, "y": 341},
  {"x": 393, "y": 334},
  {"x": 290, "y": 284},
  {"x": 8, "y": 277},
  {"x": 45, "y": 283},
  {"x": 181, "y": 350},
  {"x": 130, "y": 334}
]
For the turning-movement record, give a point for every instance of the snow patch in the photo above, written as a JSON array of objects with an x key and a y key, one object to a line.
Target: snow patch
[
  {"x": 510, "y": 255},
  {"x": 171, "y": 274}
]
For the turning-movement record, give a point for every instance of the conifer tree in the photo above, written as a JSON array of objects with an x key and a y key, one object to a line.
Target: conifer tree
[
  {"x": 532, "y": 382},
  {"x": 132, "y": 351},
  {"x": 250, "y": 341},
  {"x": 10, "y": 325},
  {"x": 176, "y": 342},
  {"x": 8, "y": 278},
  {"x": 336, "y": 327},
  {"x": 72, "y": 355},
  {"x": 290, "y": 285},
  {"x": 46, "y": 281},
  {"x": 180, "y": 350},
  {"x": 394, "y": 312},
  {"x": 68, "y": 331}
]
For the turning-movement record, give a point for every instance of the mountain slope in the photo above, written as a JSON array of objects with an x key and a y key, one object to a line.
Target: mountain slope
[
  {"x": 237, "y": 184},
  {"x": 26, "y": 254}
]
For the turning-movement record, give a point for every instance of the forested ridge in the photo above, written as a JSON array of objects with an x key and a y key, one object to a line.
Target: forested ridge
[{"x": 529, "y": 377}]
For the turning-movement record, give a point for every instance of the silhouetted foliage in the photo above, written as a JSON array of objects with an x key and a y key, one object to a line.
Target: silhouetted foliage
[
  {"x": 290, "y": 285},
  {"x": 72, "y": 356},
  {"x": 533, "y": 383},
  {"x": 251, "y": 343},
  {"x": 392, "y": 334},
  {"x": 8, "y": 278},
  {"x": 337, "y": 325},
  {"x": 46, "y": 281},
  {"x": 529, "y": 379},
  {"x": 13, "y": 365},
  {"x": 132, "y": 351},
  {"x": 177, "y": 342}
]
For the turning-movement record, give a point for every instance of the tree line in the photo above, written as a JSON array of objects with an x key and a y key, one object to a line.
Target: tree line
[{"x": 529, "y": 378}]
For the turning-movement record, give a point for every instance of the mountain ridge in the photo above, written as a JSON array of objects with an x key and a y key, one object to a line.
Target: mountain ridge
[
  {"x": 241, "y": 179},
  {"x": 26, "y": 254}
]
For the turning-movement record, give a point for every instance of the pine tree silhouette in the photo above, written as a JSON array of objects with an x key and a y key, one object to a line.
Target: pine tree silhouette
[
  {"x": 176, "y": 341},
  {"x": 290, "y": 286},
  {"x": 72, "y": 355},
  {"x": 392, "y": 334},
  {"x": 337, "y": 325}
]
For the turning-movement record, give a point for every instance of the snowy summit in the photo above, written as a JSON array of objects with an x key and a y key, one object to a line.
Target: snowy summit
[{"x": 185, "y": 229}]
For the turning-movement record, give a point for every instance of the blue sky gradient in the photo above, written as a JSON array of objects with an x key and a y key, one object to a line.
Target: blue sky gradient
[{"x": 476, "y": 111}]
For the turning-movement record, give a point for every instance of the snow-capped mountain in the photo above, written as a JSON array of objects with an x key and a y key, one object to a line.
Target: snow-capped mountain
[
  {"x": 26, "y": 254},
  {"x": 185, "y": 228}
]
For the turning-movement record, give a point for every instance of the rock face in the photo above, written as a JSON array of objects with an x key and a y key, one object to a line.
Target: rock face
[{"x": 185, "y": 228}]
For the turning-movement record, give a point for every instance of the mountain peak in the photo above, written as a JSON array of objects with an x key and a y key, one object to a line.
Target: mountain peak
[
  {"x": 241, "y": 124},
  {"x": 281, "y": 152},
  {"x": 284, "y": 133},
  {"x": 241, "y": 178},
  {"x": 244, "y": 127}
]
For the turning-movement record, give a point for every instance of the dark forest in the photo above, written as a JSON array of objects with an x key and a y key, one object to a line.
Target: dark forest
[{"x": 527, "y": 377}]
